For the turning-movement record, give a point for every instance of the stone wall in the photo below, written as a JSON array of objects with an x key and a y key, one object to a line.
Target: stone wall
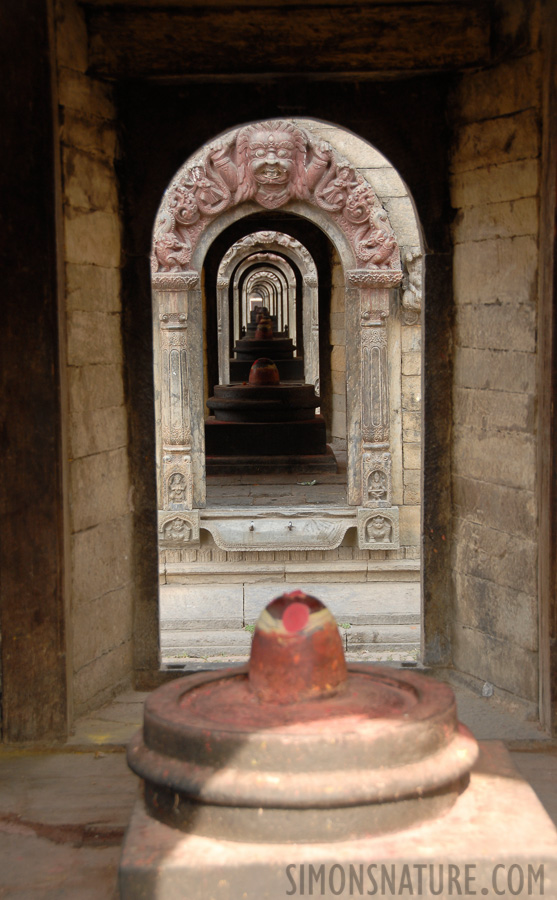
[
  {"x": 494, "y": 191},
  {"x": 100, "y": 494}
]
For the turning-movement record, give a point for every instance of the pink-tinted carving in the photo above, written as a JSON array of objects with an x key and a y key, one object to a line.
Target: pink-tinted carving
[{"x": 271, "y": 164}]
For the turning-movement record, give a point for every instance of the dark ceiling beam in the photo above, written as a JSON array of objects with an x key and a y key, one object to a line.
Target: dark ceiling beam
[{"x": 216, "y": 40}]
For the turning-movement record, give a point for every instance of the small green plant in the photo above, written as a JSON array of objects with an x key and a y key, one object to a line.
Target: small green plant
[
  {"x": 250, "y": 628},
  {"x": 344, "y": 625}
]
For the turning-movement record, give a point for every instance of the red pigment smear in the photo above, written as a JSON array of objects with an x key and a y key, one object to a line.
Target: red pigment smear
[{"x": 295, "y": 616}]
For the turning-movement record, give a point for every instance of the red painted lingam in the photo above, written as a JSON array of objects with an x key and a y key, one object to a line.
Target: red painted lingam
[{"x": 297, "y": 746}]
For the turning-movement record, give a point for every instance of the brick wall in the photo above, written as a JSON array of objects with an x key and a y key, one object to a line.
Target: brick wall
[
  {"x": 100, "y": 496},
  {"x": 494, "y": 192}
]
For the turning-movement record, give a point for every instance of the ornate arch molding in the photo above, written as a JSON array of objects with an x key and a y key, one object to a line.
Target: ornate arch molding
[
  {"x": 271, "y": 165},
  {"x": 262, "y": 245}
]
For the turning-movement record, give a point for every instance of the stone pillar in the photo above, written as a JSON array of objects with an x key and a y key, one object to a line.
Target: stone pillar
[
  {"x": 180, "y": 391},
  {"x": 223, "y": 329},
  {"x": 369, "y": 453},
  {"x": 311, "y": 330}
]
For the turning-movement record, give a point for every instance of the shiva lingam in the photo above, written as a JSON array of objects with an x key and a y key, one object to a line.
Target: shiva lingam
[
  {"x": 262, "y": 341},
  {"x": 298, "y": 746},
  {"x": 263, "y": 423}
]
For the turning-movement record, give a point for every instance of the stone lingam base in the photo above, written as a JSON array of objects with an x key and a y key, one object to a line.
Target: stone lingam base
[
  {"x": 300, "y": 775},
  {"x": 496, "y": 841},
  {"x": 266, "y": 426}
]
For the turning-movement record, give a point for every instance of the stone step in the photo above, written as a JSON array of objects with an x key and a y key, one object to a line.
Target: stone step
[
  {"x": 358, "y": 604},
  {"x": 198, "y": 607},
  {"x": 250, "y": 571},
  {"x": 365, "y": 637},
  {"x": 205, "y": 643}
]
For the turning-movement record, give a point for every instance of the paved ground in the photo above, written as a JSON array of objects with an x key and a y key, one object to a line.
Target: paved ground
[{"x": 63, "y": 813}]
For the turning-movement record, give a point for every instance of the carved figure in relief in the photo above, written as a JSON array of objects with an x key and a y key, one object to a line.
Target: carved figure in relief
[
  {"x": 377, "y": 485},
  {"x": 177, "y": 530},
  {"x": 176, "y": 488},
  {"x": 379, "y": 530},
  {"x": 412, "y": 282}
]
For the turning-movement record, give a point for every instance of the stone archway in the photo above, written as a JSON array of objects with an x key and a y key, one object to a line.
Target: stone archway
[
  {"x": 268, "y": 166},
  {"x": 280, "y": 249}
]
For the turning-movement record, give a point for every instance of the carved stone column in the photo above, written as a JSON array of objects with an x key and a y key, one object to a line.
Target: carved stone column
[
  {"x": 371, "y": 456},
  {"x": 179, "y": 391}
]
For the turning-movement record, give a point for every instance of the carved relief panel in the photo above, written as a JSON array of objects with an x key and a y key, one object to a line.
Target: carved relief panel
[
  {"x": 378, "y": 529},
  {"x": 178, "y": 530}
]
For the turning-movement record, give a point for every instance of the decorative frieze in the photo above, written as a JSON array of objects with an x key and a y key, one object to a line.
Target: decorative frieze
[
  {"x": 378, "y": 529},
  {"x": 261, "y": 530},
  {"x": 174, "y": 281},
  {"x": 271, "y": 163}
]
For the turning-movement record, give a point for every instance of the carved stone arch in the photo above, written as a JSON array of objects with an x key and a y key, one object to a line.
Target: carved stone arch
[
  {"x": 267, "y": 281},
  {"x": 272, "y": 165},
  {"x": 260, "y": 244}
]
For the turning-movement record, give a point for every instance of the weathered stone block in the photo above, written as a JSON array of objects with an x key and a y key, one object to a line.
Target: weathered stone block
[
  {"x": 501, "y": 90},
  {"x": 338, "y": 359},
  {"x": 102, "y": 625},
  {"x": 89, "y": 182},
  {"x": 412, "y": 363},
  {"x": 94, "y": 338},
  {"x": 500, "y": 611},
  {"x": 95, "y": 387},
  {"x": 412, "y": 486},
  {"x": 410, "y": 525},
  {"x": 80, "y": 92},
  {"x": 411, "y": 339},
  {"x": 512, "y": 181},
  {"x": 412, "y": 455},
  {"x": 101, "y": 559},
  {"x": 97, "y": 681},
  {"x": 487, "y": 658},
  {"x": 95, "y": 430},
  {"x": 496, "y": 141},
  {"x": 499, "y": 458},
  {"x": 201, "y": 607},
  {"x": 496, "y": 220},
  {"x": 494, "y": 410},
  {"x": 92, "y": 288},
  {"x": 411, "y": 426},
  {"x": 495, "y": 505},
  {"x": 97, "y": 136},
  {"x": 386, "y": 182},
  {"x": 92, "y": 237},
  {"x": 497, "y": 556},
  {"x": 503, "y": 370},
  {"x": 505, "y": 270},
  {"x": 99, "y": 487},
  {"x": 403, "y": 220},
  {"x": 496, "y": 327},
  {"x": 411, "y": 392}
]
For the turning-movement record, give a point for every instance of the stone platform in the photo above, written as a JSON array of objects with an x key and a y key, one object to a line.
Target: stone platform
[{"x": 497, "y": 840}]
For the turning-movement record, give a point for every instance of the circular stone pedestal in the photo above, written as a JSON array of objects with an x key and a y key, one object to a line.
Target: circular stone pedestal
[{"x": 328, "y": 754}]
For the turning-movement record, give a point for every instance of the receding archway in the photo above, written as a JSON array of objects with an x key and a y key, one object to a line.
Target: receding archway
[{"x": 374, "y": 414}]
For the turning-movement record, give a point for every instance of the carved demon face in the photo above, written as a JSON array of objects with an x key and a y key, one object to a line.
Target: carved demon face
[
  {"x": 378, "y": 529},
  {"x": 271, "y": 157}
]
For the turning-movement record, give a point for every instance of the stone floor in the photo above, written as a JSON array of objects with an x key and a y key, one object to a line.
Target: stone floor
[
  {"x": 378, "y": 621},
  {"x": 63, "y": 812},
  {"x": 297, "y": 489}
]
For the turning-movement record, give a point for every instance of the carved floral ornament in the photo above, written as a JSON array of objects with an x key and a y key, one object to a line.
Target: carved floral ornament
[{"x": 271, "y": 164}]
